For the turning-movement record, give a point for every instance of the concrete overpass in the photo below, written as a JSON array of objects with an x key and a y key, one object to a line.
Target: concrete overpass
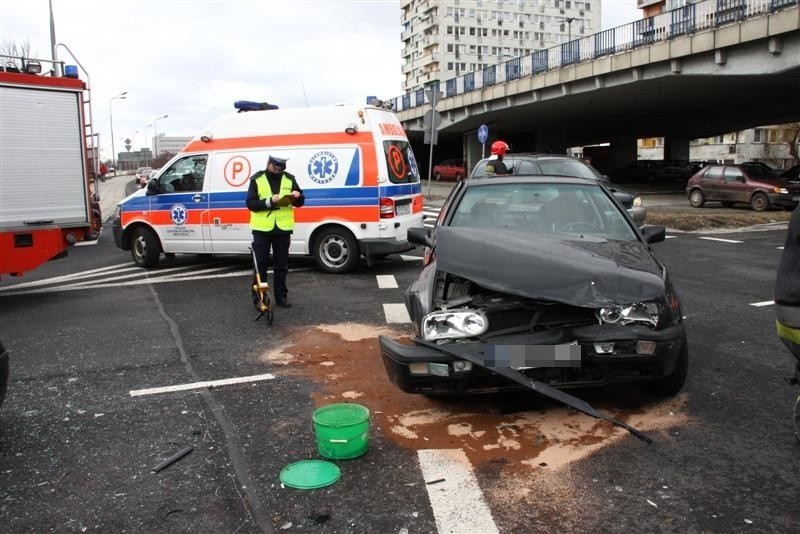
[{"x": 702, "y": 70}]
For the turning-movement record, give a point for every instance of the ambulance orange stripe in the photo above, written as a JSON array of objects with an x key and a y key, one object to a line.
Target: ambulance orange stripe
[
  {"x": 355, "y": 214},
  {"x": 363, "y": 140}
]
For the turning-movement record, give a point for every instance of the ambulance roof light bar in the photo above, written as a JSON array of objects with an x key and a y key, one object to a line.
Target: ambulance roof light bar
[{"x": 249, "y": 105}]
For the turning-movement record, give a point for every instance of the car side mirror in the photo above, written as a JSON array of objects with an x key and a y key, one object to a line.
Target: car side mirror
[
  {"x": 153, "y": 187},
  {"x": 420, "y": 236},
  {"x": 654, "y": 234}
]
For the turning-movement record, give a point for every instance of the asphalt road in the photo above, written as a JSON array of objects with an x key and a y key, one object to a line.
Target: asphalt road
[{"x": 77, "y": 448}]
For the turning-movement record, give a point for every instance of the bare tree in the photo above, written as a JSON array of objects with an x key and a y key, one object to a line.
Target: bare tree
[{"x": 13, "y": 53}]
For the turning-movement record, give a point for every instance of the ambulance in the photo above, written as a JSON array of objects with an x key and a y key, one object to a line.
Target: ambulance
[{"x": 354, "y": 163}]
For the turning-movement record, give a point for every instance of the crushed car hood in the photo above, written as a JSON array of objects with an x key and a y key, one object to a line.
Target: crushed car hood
[{"x": 580, "y": 272}]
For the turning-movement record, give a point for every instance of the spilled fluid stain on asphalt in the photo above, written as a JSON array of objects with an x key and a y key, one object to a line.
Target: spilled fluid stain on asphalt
[{"x": 519, "y": 431}]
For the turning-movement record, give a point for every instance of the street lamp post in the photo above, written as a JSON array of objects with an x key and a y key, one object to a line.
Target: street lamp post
[
  {"x": 155, "y": 133},
  {"x": 121, "y": 96},
  {"x": 145, "y": 143},
  {"x": 569, "y": 20}
]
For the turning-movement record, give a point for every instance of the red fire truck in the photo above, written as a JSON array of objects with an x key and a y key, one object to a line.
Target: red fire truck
[{"x": 48, "y": 163}]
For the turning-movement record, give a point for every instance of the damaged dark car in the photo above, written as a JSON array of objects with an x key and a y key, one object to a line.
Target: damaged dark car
[{"x": 540, "y": 279}]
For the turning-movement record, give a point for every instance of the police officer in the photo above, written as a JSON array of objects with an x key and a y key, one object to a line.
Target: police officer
[
  {"x": 495, "y": 164},
  {"x": 271, "y": 198}
]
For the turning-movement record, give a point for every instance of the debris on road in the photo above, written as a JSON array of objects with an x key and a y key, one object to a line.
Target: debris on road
[{"x": 172, "y": 459}]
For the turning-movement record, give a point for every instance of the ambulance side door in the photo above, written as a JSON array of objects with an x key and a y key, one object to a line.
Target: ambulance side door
[
  {"x": 179, "y": 208},
  {"x": 229, "y": 219}
]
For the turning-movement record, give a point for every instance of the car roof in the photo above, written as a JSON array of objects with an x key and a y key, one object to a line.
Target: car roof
[{"x": 530, "y": 179}]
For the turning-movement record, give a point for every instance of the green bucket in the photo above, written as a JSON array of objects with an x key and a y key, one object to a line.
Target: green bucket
[{"x": 342, "y": 430}]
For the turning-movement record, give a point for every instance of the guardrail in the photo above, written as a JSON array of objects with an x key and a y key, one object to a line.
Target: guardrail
[{"x": 685, "y": 20}]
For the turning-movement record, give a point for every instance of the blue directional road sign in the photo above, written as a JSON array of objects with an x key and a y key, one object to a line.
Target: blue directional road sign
[{"x": 483, "y": 133}]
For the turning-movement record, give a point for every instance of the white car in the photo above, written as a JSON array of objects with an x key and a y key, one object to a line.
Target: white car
[{"x": 143, "y": 175}]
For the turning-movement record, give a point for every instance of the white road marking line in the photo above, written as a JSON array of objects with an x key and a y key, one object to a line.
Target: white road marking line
[
  {"x": 720, "y": 239},
  {"x": 779, "y": 248},
  {"x": 760, "y": 304},
  {"x": 670, "y": 237},
  {"x": 406, "y": 257},
  {"x": 386, "y": 281},
  {"x": 456, "y": 499},
  {"x": 157, "y": 273},
  {"x": 396, "y": 313},
  {"x": 200, "y": 385},
  {"x": 143, "y": 281},
  {"x": 202, "y": 271},
  {"x": 102, "y": 271}
]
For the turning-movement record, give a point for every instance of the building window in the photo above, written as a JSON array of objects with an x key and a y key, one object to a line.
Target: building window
[{"x": 449, "y": 47}]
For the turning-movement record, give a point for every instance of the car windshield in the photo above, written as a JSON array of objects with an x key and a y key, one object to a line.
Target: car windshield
[{"x": 570, "y": 210}]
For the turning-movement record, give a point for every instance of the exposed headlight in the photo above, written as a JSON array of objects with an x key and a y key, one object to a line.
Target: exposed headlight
[
  {"x": 640, "y": 312},
  {"x": 637, "y": 202},
  {"x": 117, "y": 212},
  {"x": 454, "y": 324},
  {"x": 781, "y": 190}
]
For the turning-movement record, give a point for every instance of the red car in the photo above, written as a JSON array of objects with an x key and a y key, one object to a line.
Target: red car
[
  {"x": 747, "y": 184},
  {"x": 449, "y": 169}
]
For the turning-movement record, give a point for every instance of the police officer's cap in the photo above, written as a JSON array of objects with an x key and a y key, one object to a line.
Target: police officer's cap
[{"x": 278, "y": 162}]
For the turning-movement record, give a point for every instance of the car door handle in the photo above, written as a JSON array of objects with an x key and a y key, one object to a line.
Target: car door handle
[{"x": 197, "y": 198}]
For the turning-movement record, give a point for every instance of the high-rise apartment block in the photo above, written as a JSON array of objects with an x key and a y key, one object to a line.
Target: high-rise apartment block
[{"x": 444, "y": 39}]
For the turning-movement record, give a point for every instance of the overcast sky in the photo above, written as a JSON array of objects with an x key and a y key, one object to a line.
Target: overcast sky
[{"x": 191, "y": 59}]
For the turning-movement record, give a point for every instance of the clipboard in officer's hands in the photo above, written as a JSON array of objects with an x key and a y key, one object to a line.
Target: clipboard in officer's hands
[{"x": 285, "y": 200}]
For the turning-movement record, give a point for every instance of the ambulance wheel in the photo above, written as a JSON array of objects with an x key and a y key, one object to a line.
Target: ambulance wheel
[
  {"x": 336, "y": 250},
  {"x": 145, "y": 247}
]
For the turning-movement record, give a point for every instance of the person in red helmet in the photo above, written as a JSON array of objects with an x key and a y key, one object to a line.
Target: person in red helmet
[{"x": 496, "y": 165}]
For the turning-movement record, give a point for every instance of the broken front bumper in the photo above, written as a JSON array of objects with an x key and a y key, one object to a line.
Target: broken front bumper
[{"x": 607, "y": 354}]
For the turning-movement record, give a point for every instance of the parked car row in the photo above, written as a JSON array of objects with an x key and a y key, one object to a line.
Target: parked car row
[
  {"x": 749, "y": 183},
  {"x": 653, "y": 170}
]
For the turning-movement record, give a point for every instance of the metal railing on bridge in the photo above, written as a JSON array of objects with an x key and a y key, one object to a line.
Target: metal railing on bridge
[{"x": 703, "y": 15}]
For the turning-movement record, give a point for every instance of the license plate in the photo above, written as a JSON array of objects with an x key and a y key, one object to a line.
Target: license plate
[
  {"x": 402, "y": 209},
  {"x": 521, "y": 357}
]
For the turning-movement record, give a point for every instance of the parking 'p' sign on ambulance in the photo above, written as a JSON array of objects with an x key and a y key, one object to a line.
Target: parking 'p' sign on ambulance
[{"x": 354, "y": 164}]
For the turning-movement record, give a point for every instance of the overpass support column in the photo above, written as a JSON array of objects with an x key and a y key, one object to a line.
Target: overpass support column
[
  {"x": 472, "y": 150},
  {"x": 676, "y": 148},
  {"x": 622, "y": 152}
]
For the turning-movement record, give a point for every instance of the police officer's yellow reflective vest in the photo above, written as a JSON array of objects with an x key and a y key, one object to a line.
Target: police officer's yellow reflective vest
[
  {"x": 265, "y": 221},
  {"x": 788, "y": 323}
]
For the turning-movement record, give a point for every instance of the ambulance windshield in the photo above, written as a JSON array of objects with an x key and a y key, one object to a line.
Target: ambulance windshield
[{"x": 400, "y": 162}]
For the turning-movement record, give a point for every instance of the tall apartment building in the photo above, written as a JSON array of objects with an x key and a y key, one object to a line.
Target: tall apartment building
[{"x": 444, "y": 39}]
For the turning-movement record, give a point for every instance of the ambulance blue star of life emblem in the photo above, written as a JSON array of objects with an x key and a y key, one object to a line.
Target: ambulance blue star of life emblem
[
  {"x": 323, "y": 167},
  {"x": 178, "y": 214}
]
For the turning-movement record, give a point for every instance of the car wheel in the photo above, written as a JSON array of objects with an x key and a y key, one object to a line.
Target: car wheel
[
  {"x": 696, "y": 198},
  {"x": 336, "y": 250},
  {"x": 145, "y": 247},
  {"x": 759, "y": 202},
  {"x": 727, "y": 204},
  {"x": 673, "y": 382},
  {"x": 437, "y": 177}
]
